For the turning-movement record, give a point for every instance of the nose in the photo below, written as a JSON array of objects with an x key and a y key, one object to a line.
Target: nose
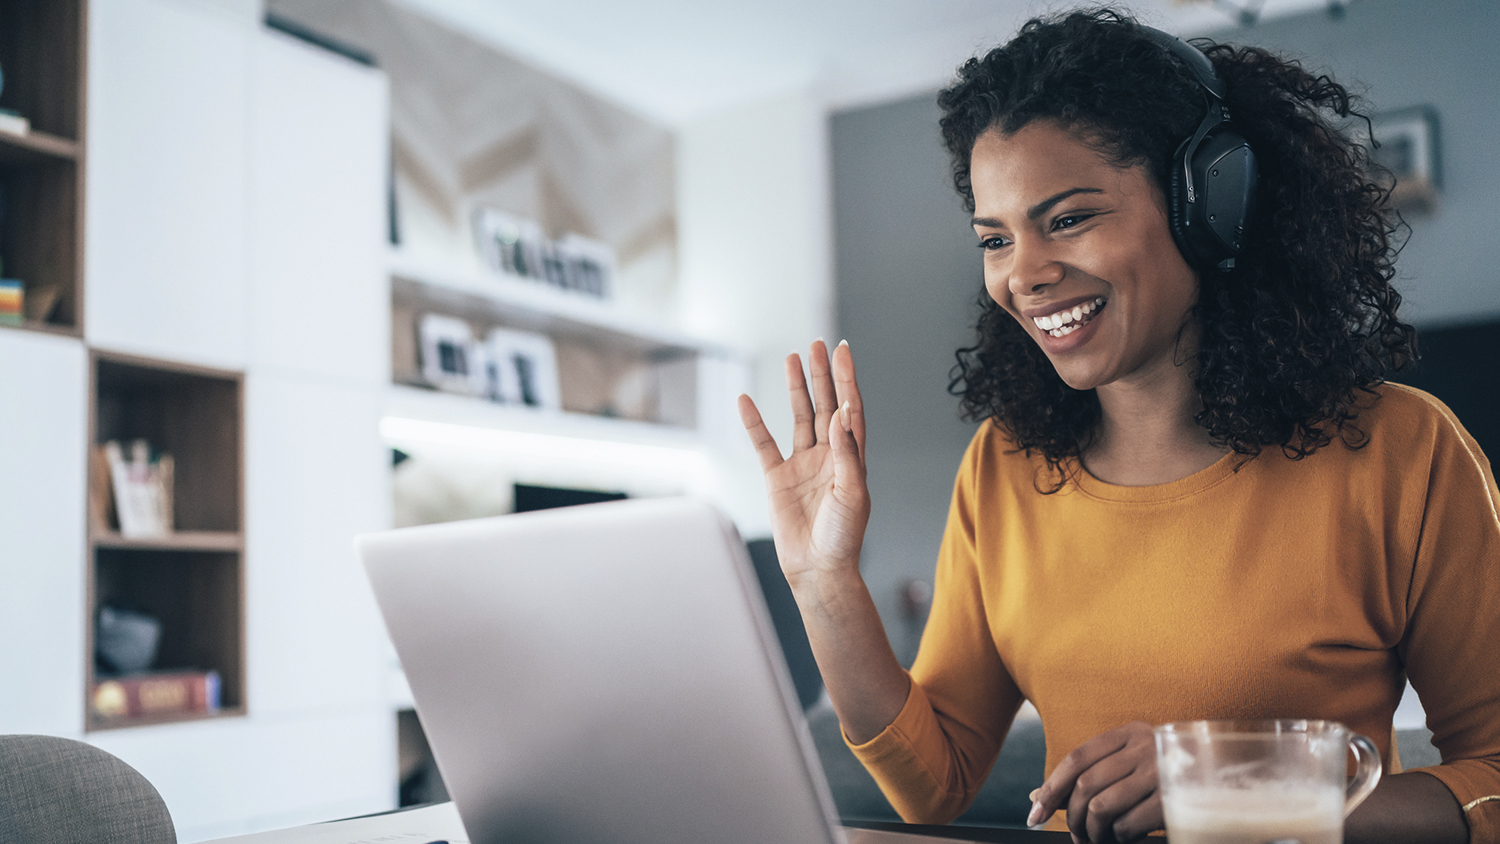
[{"x": 1032, "y": 266}]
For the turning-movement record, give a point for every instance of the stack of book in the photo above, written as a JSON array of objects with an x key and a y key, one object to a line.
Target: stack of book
[
  {"x": 12, "y": 301},
  {"x": 155, "y": 694}
]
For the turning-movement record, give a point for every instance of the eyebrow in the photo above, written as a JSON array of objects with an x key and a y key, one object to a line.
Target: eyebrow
[{"x": 1038, "y": 209}]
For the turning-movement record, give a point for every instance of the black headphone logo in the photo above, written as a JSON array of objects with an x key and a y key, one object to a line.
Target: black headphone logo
[{"x": 1213, "y": 177}]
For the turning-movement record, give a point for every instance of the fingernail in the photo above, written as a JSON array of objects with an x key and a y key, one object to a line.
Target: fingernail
[
  {"x": 844, "y": 415},
  {"x": 843, "y": 342},
  {"x": 1036, "y": 814},
  {"x": 1035, "y": 793}
]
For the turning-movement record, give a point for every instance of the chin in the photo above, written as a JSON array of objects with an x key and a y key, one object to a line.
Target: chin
[
  {"x": 1080, "y": 384},
  {"x": 1077, "y": 377}
]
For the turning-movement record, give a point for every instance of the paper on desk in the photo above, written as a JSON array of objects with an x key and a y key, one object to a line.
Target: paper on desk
[{"x": 417, "y": 826}]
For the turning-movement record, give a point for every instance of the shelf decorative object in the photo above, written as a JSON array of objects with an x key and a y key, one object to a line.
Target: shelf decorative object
[
  {"x": 518, "y": 247},
  {"x": 1406, "y": 147},
  {"x": 141, "y": 487},
  {"x": 521, "y": 368},
  {"x": 451, "y": 359}
]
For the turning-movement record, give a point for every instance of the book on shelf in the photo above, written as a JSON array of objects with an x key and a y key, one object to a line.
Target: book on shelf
[
  {"x": 101, "y": 492},
  {"x": 141, "y": 484},
  {"x": 154, "y": 694},
  {"x": 12, "y": 122},
  {"x": 12, "y": 301}
]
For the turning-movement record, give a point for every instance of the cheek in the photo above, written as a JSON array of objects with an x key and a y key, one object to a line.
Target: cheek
[{"x": 995, "y": 286}]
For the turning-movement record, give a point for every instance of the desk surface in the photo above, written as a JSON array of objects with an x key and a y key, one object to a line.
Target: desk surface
[{"x": 440, "y": 823}]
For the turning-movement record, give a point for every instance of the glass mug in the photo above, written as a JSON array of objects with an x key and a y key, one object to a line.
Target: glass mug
[{"x": 1261, "y": 782}]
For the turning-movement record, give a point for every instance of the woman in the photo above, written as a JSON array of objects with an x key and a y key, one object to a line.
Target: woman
[{"x": 1195, "y": 496}]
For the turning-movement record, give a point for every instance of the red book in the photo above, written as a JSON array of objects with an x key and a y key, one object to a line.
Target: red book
[{"x": 155, "y": 694}]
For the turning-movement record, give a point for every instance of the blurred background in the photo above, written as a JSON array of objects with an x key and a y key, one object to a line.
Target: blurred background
[{"x": 321, "y": 267}]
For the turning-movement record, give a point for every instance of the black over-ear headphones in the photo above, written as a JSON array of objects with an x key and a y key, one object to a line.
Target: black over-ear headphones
[{"x": 1212, "y": 184}]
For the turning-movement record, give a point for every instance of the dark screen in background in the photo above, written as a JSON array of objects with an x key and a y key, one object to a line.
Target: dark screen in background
[
  {"x": 1460, "y": 365},
  {"x": 529, "y": 497}
]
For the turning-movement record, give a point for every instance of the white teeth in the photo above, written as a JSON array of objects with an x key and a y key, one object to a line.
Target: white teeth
[{"x": 1066, "y": 322}]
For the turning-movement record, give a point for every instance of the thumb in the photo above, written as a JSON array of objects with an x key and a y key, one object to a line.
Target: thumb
[{"x": 847, "y": 465}]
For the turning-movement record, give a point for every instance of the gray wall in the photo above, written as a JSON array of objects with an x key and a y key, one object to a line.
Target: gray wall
[
  {"x": 1417, "y": 52},
  {"x": 907, "y": 278},
  {"x": 907, "y": 271}
]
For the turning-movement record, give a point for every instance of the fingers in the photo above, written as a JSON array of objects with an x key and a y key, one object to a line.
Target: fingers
[
  {"x": 1108, "y": 785},
  {"x": 1141, "y": 820},
  {"x": 825, "y": 397},
  {"x": 832, "y": 386},
  {"x": 1121, "y": 810},
  {"x": 765, "y": 445},
  {"x": 1058, "y": 789},
  {"x": 804, "y": 435},
  {"x": 847, "y": 390}
]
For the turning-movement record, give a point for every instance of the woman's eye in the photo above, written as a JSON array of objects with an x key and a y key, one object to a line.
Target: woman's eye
[
  {"x": 1070, "y": 221},
  {"x": 992, "y": 243}
]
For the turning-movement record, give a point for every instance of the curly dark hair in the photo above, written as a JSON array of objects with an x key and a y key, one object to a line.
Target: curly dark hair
[{"x": 1295, "y": 332}]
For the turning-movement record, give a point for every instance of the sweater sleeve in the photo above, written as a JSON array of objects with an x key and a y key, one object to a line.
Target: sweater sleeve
[
  {"x": 931, "y": 761},
  {"x": 1451, "y": 648}
]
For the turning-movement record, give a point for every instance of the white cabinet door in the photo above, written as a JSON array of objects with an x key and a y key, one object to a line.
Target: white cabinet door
[
  {"x": 317, "y": 474},
  {"x": 43, "y": 423},
  {"x": 245, "y": 775},
  {"x": 167, "y": 187},
  {"x": 320, "y": 300}
]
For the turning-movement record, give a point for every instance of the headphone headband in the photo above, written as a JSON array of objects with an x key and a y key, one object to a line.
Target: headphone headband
[{"x": 1197, "y": 63}]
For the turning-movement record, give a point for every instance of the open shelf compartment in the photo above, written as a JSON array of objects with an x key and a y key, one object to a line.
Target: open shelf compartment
[
  {"x": 189, "y": 583},
  {"x": 41, "y": 171}
]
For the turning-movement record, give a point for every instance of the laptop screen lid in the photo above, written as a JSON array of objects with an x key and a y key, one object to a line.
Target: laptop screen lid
[{"x": 606, "y": 672}]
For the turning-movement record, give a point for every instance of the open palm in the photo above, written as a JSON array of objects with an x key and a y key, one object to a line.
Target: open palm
[{"x": 819, "y": 501}]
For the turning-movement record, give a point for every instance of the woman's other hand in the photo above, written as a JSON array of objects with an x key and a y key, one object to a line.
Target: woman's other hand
[
  {"x": 1109, "y": 787},
  {"x": 819, "y": 502}
]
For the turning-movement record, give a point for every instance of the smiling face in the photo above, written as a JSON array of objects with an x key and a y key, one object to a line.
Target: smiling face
[{"x": 1078, "y": 251}]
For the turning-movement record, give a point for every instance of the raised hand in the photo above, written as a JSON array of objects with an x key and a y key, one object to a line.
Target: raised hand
[{"x": 819, "y": 502}]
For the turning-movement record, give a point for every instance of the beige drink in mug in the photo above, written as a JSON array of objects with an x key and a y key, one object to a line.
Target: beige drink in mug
[{"x": 1261, "y": 782}]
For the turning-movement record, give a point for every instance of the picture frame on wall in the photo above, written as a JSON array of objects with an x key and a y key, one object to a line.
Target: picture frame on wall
[
  {"x": 1406, "y": 147},
  {"x": 521, "y": 369},
  {"x": 451, "y": 359}
]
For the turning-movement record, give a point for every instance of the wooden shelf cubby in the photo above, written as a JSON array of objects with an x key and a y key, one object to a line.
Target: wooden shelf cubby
[
  {"x": 192, "y": 579},
  {"x": 41, "y": 172}
]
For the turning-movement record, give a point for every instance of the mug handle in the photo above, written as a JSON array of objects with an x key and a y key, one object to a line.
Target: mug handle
[{"x": 1366, "y": 774}]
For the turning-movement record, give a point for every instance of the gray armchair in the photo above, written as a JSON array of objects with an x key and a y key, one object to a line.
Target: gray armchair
[{"x": 59, "y": 791}]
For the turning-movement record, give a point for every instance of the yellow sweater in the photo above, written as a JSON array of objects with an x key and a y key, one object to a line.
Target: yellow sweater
[{"x": 1259, "y": 588}]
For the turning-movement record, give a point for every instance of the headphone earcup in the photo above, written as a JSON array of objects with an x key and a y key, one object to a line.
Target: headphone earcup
[{"x": 1212, "y": 228}]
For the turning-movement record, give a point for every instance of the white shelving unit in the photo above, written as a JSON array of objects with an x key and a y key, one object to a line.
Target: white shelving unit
[
  {"x": 515, "y": 298},
  {"x": 680, "y": 385}
]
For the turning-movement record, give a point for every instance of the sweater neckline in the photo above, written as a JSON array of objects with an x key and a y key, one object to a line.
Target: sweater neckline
[{"x": 1201, "y": 480}]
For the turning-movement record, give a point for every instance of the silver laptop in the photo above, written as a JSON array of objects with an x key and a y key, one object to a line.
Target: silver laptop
[{"x": 606, "y": 672}]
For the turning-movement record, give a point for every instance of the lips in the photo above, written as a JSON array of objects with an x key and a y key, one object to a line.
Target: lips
[{"x": 1065, "y": 321}]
